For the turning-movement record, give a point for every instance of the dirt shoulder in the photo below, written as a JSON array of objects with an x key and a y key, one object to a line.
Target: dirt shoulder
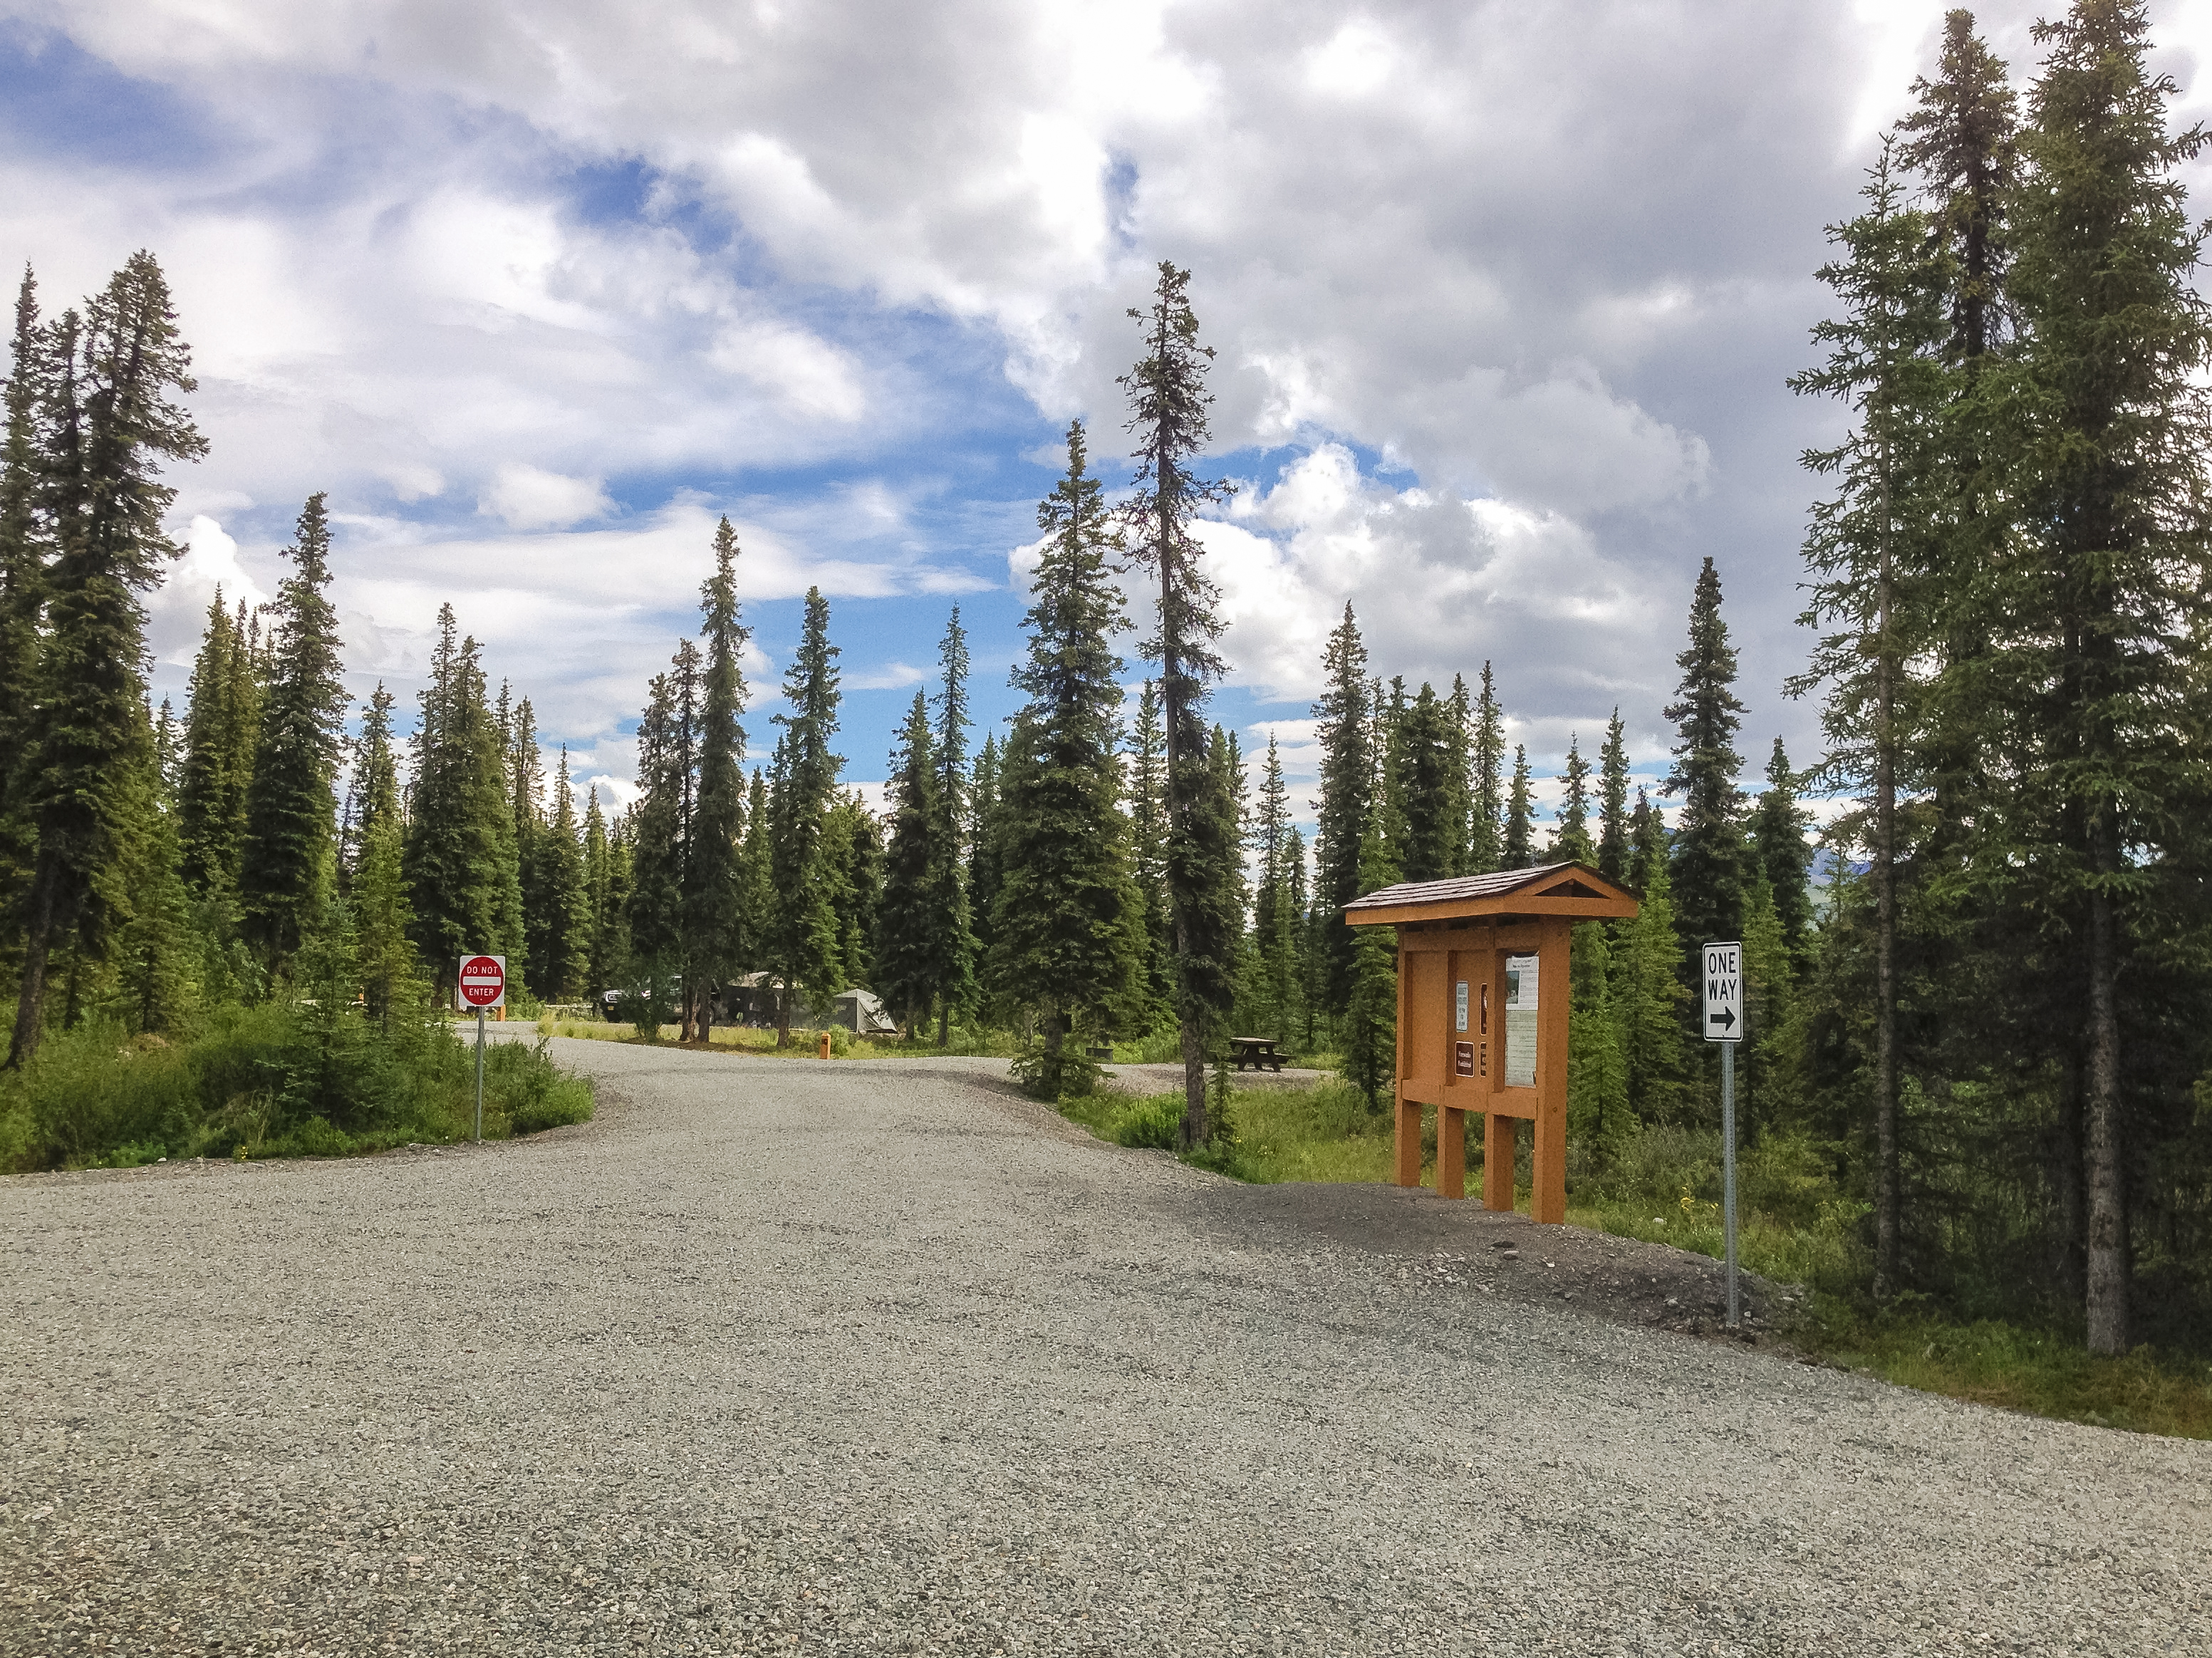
[{"x": 1461, "y": 1247}]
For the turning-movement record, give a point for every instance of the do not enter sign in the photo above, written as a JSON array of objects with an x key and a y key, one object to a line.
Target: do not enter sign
[{"x": 483, "y": 981}]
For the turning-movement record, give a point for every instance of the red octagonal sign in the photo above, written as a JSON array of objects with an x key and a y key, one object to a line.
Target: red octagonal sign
[{"x": 484, "y": 981}]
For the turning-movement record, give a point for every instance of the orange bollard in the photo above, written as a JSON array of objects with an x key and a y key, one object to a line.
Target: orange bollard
[{"x": 825, "y": 1044}]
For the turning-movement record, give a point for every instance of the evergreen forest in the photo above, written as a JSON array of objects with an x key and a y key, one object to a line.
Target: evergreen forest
[{"x": 1977, "y": 993}]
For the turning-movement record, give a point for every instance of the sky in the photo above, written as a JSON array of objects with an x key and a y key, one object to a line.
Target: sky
[{"x": 1503, "y": 297}]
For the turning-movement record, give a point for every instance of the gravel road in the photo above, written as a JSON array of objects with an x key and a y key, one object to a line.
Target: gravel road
[{"x": 786, "y": 1356}]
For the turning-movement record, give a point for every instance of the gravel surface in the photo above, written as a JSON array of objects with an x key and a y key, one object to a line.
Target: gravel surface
[{"x": 783, "y": 1356}]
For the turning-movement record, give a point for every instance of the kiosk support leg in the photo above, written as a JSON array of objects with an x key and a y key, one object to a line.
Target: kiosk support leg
[
  {"x": 1547, "y": 1195},
  {"x": 1497, "y": 1153},
  {"x": 1451, "y": 1152},
  {"x": 1409, "y": 1141}
]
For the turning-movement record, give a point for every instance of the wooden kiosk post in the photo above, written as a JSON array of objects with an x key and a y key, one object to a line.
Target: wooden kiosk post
[{"x": 1482, "y": 1017}]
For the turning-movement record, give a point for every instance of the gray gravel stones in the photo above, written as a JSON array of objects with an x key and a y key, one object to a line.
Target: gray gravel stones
[{"x": 786, "y": 1356}]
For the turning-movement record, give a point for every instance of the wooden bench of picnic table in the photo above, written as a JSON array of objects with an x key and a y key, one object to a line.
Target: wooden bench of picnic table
[{"x": 1255, "y": 1051}]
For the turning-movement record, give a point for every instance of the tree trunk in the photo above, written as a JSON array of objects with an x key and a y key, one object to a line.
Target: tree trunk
[
  {"x": 2107, "y": 1263},
  {"x": 44, "y": 922},
  {"x": 2069, "y": 1197},
  {"x": 1887, "y": 1200},
  {"x": 944, "y": 1022},
  {"x": 783, "y": 1016}
]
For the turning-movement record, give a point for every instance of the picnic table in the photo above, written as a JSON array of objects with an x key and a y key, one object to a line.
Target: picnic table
[{"x": 1256, "y": 1052}]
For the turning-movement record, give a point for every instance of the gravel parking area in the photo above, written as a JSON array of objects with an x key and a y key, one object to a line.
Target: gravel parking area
[{"x": 785, "y": 1357}]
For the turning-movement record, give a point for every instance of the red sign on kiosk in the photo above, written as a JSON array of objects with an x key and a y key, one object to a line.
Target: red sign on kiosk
[{"x": 483, "y": 981}]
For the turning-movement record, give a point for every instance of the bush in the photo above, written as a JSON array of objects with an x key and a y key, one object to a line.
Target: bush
[
  {"x": 298, "y": 1080},
  {"x": 1069, "y": 1074},
  {"x": 1157, "y": 1121}
]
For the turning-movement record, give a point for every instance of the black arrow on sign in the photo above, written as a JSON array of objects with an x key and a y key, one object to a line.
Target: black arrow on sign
[{"x": 1725, "y": 1018}]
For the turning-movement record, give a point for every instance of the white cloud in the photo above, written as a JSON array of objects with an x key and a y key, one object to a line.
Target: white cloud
[{"x": 528, "y": 498}]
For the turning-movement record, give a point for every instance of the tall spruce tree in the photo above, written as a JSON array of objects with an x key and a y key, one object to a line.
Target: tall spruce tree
[
  {"x": 906, "y": 971},
  {"x": 1878, "y": 553},
  {"x": 1613, "y": 801},
  {"x": 25, "y": 545},
  {"x": 1519, "y": 846},
  {"x": 714, "y": 899},
  {"x": 1705, "y": 861},
  {"x": 983, "y": 816},
  {"x": 562, "y": 950},
  {"x": 854, "y": 852},
  {"x": 1168, "y": 403},
  {"x": 952, "y": 931},
  {"x": 109, "y": 421},
  {"x": 1347, "y": 796},
  {"x": 2098, "y": 675},
  {"x": 660, "y": 821},
  {"x": 1430, "y": 766},
  {"x": 1371, "y": 1019},
  {"x": 1785, "y": 857},
  {"x": 1275, "y": 906},
  {"x": 1485, "y": 841},
  {"x": 1147, "y": 791},
  {"x": 1068, "y": 933},
  {"x": 1571, "y": 841},
  {"x": 463, "y": 883},
  {"x": 290, "y": 851},
  {"x": 803, "y": 935}
]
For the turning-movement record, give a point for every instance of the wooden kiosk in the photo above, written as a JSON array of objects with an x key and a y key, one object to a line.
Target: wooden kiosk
[{"x": 1482, "y": 1017}]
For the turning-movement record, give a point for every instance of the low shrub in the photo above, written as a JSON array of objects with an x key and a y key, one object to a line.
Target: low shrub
[{"x": 277, "y": 1080}]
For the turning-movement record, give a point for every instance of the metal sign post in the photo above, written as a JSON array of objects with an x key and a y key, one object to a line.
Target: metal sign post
[
  {"x": 1724, "y": 978},
  {"x": 481, "y": 985}
]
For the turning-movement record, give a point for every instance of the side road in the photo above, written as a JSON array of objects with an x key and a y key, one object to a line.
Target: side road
[{"x": 782, "y": 1355}]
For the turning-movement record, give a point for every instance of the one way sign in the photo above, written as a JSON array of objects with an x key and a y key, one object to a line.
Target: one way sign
[{"x": 1724, "y": 993}]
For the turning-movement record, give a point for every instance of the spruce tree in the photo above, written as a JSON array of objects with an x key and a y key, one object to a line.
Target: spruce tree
[
  {"x": 561, "y": 954},
  {"x": 1519, "y": 846},
  {"x": 853, "y": 843},
  {"x": 1371, "y": 1020},
  {"x": 755, "y": 875},
  {"x": 1347, "y": 797},
  {"x": 661, "y": 828},
  {"x": 152, "y": 948},
  {"x": 1571, "y": 841},
  {"x": 1785, "y": 857},
  {"x": 1879, "y": 555},
  {"x": 1486, "y": 842},
  {"x": 463, "y": 885},
  {"x": 983, "y": 841},
  {"x": 906, "y": 973},
  {"x": 1705, "y": 862},
  {"x": 1168, "y": 404},
  {"x": 383, "y": 918},
  {"x": 713, "y": 922},
  {"x": 1068, "y": 930},
  {"x": 220, "y": 720},
  {"x": 599, "y": 961},
  {"x": 1147, "y": 790},
  {"x": 1613, "y": 801},
  {"x": 290, "y": 851},
  {"x": 1459, "y": 739},
  {"x": 803, "y": 936},
  {"x": 25, "y": 545},
  {"x": 2098, "y": 675},
  {"x": 952, "y": 931},
  {"x": 1275, "y": 909},
  {"x": 110, "y": 420},
  {"x": 1431, "y": 791}
]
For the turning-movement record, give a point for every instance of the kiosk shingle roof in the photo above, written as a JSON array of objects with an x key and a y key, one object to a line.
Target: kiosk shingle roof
[{"x": 1493, "y": 885}]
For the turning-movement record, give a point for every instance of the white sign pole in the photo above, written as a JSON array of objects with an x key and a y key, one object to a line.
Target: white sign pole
[
  {"x": 480, "y": 1042},
  {"x": 1723, "y": 977}
]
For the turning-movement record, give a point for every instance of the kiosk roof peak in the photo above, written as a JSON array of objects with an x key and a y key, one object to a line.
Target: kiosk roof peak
[{"x": 1562, "y": 889}]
